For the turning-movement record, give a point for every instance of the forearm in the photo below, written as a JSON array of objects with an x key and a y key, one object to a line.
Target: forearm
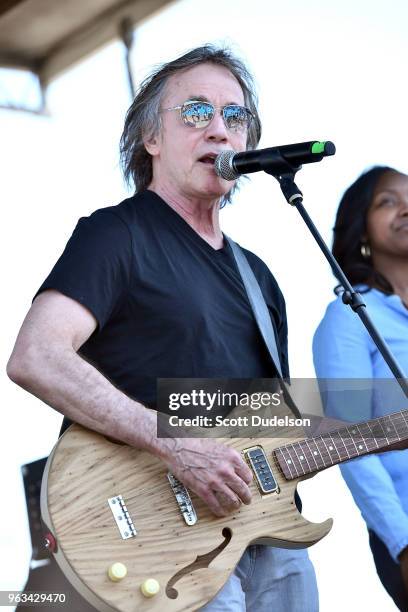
[
  {"x": 374, "y": 493},
  {"x": 65, "y": 381}
]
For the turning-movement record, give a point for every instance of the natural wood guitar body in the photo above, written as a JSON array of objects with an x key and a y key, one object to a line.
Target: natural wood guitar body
[{"x": 191, "y": 563}]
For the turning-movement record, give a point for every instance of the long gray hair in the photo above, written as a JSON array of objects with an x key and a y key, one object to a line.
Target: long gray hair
[{"x": 143, "y": 119}]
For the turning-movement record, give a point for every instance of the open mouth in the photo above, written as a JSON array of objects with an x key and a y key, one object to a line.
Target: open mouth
[{"x": 208, "y": 159}]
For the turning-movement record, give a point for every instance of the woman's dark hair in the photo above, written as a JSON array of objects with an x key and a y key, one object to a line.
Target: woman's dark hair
[
  {"x": 350, "y": 227},
  {"x": 143, "y": 117}
]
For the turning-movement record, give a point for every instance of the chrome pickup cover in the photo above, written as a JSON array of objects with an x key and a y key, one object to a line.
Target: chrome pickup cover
[{"x": 256, "y": 458}]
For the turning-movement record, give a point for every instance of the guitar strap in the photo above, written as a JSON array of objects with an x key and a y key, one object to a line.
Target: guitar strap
[{"x": 262, "y": 317}]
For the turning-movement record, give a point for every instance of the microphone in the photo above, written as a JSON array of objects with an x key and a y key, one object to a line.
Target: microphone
[{"x": 230, "y": 165}]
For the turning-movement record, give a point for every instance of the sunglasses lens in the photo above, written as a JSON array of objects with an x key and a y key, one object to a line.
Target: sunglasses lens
[
  {"x": 237, "y": 117},
  {"x": 197, "y": 114}
]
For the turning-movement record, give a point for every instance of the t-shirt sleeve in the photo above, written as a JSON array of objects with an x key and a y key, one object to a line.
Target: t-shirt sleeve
[{"x": 95, "y": 265}]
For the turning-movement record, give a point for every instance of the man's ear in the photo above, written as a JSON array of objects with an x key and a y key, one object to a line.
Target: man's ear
[{"x": 151, "y": 144}]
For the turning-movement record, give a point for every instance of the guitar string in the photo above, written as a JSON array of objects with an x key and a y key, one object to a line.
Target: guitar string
[
  {"x": 393, "y": 418},
  {"x": 349, "y": 443}
]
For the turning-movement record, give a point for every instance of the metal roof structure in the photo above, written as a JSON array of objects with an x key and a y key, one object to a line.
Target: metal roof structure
[{"x": 47, "y": 37}]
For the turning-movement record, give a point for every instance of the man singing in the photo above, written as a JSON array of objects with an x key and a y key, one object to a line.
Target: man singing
[{"x": 149, "y": 289}]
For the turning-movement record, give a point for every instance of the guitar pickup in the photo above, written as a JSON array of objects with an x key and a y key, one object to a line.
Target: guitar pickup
[{"x": 257, "y": 461}]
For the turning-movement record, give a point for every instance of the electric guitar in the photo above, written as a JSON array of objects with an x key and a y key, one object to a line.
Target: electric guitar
[{"x": 131, "y": 538}]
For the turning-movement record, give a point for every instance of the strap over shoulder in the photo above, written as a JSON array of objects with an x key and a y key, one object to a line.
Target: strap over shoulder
[{"x": 261, "y": 315}]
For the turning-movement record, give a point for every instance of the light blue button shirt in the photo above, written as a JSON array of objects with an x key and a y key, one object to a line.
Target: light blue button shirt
[{"x": 343, "y": 349}]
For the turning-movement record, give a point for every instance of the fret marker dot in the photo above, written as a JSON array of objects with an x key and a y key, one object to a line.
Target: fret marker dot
[
  {"x": 360, "y": 446},
  {"x": 289, "y": 461},
  {"x": 315, "y": 453},
  {"x": 388, "y": 428},
  {"x": 330, "y": 448},
  {"x": 301, "y": 457},
  {"x": 353, "y": 431}
]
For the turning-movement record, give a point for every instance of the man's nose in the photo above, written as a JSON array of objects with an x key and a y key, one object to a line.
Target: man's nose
[{"x": 217, "y": 130}]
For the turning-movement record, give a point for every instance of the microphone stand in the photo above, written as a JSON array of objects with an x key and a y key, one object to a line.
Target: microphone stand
[{"x": 285, "y": 174}]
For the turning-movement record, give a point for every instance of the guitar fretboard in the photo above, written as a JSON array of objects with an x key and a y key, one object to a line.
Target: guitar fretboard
[{"x": 313, "y": 454}]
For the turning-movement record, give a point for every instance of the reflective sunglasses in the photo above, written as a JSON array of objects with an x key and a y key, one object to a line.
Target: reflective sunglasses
[{"x": 199, "y": 114}]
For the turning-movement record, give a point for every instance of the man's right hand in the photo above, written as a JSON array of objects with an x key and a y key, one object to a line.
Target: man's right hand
[{"x": 215, "y": 472}]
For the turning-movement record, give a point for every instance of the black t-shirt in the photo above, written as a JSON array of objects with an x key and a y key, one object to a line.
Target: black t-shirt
[{"x": 167, "y": 304}]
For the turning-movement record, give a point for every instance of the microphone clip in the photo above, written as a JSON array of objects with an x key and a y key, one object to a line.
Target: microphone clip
[
  {"x": 276, "y": 165},
  {"x": 284, "y": 172},
  {"x": 290, "y": 190}
]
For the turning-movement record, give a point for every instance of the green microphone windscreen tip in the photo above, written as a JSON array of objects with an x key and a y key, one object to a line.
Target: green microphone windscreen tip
[{"x": 326, "y": 147}]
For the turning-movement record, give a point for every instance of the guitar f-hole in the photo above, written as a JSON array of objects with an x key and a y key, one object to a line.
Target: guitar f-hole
[{"x": 201, "y": 562}]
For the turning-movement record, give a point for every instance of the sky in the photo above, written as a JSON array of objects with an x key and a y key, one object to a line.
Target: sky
[{"x": 325, "y": 70}]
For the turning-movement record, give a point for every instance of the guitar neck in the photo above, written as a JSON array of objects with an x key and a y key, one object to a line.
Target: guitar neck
[{"x": 317, "y": 453}]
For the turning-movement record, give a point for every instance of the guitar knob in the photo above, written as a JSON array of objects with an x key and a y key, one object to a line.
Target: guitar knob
[
  {"x": 50, "y": 542},
  {"x": 117, "y": 572},
  {"x": 150, "y": 587}
]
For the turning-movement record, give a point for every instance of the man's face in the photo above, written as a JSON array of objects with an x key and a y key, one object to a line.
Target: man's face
[{"x": 178, "y": 149}]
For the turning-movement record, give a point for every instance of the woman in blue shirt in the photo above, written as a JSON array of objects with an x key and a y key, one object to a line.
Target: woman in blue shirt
[{"x": 371, "y": 245}]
